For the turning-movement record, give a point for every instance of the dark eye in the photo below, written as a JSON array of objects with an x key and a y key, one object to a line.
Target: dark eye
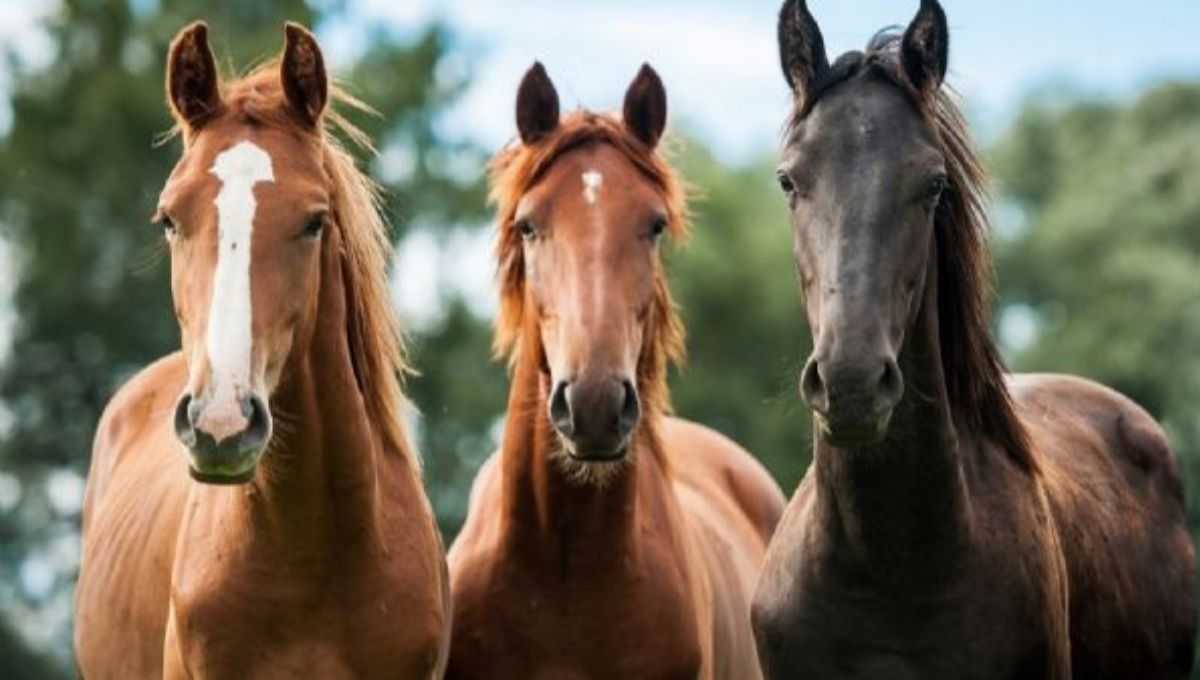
[
  {"x": 937, "y": 186},
  {"x": 526, "y": 229},
  {"x": 314, "y": 225},
  {"x": 168, "y": 225},
  {"x": 657, "y": 227},
  {"x": 785, "y": 182}
]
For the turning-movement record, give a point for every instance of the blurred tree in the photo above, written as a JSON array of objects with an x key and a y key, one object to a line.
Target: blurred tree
[
  {"x": 462, "y": 394},
  {"x": 19, "y": 662},
  {"x": 92, "y": 300},
  {"x": 1103, "y": 268},
  {"x": 734, "y": 282}
]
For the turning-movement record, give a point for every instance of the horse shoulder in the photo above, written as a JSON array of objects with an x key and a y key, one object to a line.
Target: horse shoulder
[
  {"x": 132, "y": 505},
  {"x": 472, "y": 555},
  {"x": 137, "y": 406},
  {"x": 714, "y": 464},
  {"x": 481, "y": 526},
  {"x": 731, "y": 505}
]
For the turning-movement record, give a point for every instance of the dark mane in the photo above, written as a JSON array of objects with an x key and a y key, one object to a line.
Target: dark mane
[
  {"x": 974, "y": 370},
  {"x": 517, "y": 168}
]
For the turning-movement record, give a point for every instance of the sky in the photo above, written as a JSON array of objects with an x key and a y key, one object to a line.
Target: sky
[{"x": 719, "y": 61}]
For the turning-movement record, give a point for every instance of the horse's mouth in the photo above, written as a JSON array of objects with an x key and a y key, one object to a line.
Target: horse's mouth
[
  {"x": 222, "y": 478},
  {"x": 223, "y": 467},
  {"x": 846, "y": 435},
  {"x": 595, "y": 451},
  {"x": 597, "y": 455}
]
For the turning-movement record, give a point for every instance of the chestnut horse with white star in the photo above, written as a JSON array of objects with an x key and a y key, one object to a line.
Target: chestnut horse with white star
[
  {"x": 605, "y": 539},
  {"x": 289, "y": 534}
]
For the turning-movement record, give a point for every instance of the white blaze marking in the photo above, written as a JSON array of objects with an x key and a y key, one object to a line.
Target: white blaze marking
[
  {"x": 228, "y": 336},
  {"x": 592, "y": 179}
]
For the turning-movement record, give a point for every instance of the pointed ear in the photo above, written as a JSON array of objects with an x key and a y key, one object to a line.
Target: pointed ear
[
  {"x": 537, "y": 105},
  {"x": 801, "y": 48},
  {"x": 302, "y": 72},
  {"x": 925, "y": 50},
  {"x": 645, "y": 109},
  {"x": 193, "y": 85}
]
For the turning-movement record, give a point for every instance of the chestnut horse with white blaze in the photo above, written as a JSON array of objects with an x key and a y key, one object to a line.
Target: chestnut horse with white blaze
[
  {"x": 289, "y": 534},
  {"x": 956, "y": 522},
  {"x": 604, "y": 539}
]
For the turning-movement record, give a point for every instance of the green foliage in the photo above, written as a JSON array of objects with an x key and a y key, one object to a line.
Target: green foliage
[
  {"x": 1108, "y": 259},
  {"x": 462, "y": 393},
  {"x": 19, "y": 662},
  {"x": 735, "y": 285}
]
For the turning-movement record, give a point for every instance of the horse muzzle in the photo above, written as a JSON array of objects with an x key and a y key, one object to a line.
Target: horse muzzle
[
  {"x": 853, "y": 400},
  {"x": 595, "y": 418},
  {"x": 224, "y": 441}
]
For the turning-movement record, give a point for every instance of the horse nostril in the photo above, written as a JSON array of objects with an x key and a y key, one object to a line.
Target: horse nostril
[
  {"x": 631, "y": 409},
  {"x": 184, "y": 421},
  {"x": 560, "y": 410},
  {"x": 812, "y": 387},
  {"x": 891, "y": 383},
  {"x": 259, "y": 427}
]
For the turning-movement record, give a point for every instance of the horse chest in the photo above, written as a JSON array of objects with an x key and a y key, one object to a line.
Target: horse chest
[
  {"x": 980, "y": 626},
  {"x": 287, "y": 629},
  {"x": 527, "y": 625}
]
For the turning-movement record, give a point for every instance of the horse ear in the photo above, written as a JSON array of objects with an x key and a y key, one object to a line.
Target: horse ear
[
  {"x": 537, "y": 105},
  {"x": 193, "y": 85},
  {"x": 645, "y": 109},
  {"x": 925, "y": 50},
  {"x": 801, "y": 47},
  {"x": 302, "y": 71}
]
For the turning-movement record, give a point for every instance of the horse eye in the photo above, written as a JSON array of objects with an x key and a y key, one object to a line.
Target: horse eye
[
  {"x": 525, "y": 227},
  {"x": 168, "y": 225},
  {"x": 658, "y": 226},
  {"x": 937, "y": 186},
  {"x": 785, "y": 182},
  {"x": 314, "y": 225}
]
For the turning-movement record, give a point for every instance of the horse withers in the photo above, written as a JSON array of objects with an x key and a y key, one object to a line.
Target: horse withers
[
  {"x": 254, "y": 507},
  {"x": 956, "y": 522},
  {"x": 605, "y": 539}
]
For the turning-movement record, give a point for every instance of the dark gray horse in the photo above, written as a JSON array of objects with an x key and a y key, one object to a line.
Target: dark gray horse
[{"x": 956, "y": 522}]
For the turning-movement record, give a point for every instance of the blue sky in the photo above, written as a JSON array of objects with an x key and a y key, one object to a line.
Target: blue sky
[{"x": 719, "y": 60}]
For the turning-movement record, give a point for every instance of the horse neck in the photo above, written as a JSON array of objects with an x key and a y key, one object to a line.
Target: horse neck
[
  {"x": 897, "y": 510},
  {"x": 548, "y": 515}
]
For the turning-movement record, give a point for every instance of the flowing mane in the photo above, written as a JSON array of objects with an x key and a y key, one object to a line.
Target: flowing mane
[
  {"x": 376, "y": 344},
  {"x": 974, "y": 370},
  {"x": 517, "y": 168}
]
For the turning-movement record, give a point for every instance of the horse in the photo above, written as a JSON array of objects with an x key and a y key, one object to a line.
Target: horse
[
  {"x": 604, "y": 539},
  {"x": 957, "y": 521},
  {"x": 254, "y": 506}
]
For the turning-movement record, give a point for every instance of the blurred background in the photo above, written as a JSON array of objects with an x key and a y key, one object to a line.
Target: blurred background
[{"x": 1088, "y": 110}]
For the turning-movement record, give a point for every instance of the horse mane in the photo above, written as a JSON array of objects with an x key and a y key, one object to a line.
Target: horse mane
[
  {"x": 516, "y": 169},
  {"x": 971, "y": 362},
  {"x": 377, "y": 350}
]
